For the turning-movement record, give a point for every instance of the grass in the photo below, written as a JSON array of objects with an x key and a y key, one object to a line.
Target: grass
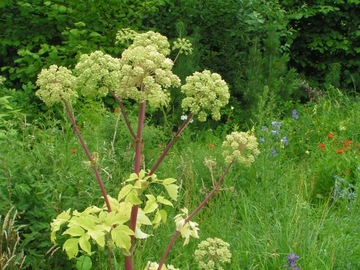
[{"x": 282, "y": 204}]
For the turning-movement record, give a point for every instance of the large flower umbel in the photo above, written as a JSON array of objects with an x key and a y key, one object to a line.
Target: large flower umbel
[
  {"x": 206, "y": 93},
  {"x": 241, "y": 147},
  {"x": 56, "y": 85}
]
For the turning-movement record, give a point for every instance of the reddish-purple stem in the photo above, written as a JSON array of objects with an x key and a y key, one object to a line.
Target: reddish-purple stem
[
  {"x": 193, "y": 213},
  {"x": 137, "y": 167},
  {"x": 171, "y": 143},
  {"x": 87, "y": 152},
  {"x": 123, "y": 112}
]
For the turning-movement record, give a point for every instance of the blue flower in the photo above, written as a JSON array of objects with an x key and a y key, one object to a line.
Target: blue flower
[
  {"x": 276, "y": 125},
  {"x": 262, "y": 139},
  {"x": 273, "y": 152},
  {"x": 295, "y": 114},
  {"x": 285, "y": 141}
]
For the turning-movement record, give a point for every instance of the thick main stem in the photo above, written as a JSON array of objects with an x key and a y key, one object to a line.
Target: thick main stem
[
  {"x": 137, "y": 167},
  {"x": 193, "y": 213},
  {"x": 88, "y": 154}
]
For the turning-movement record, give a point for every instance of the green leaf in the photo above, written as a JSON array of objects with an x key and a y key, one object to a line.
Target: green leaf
[
  {"x": 172, "y": 190},
  {"x": 162, "y": 200},
  {"x": 121, "y": 236},
  {"x": 85, "y": 244},
  {"x": 98, "y": 235},
  {"x": 75, "y": 231},
  {"x": 83, "y": 263},
  {"x": 125, "y": 191},
  {"x": 151, "y": 204},
  {"x": 71, "y": 247},
  {"x": 168, "y": 181}
]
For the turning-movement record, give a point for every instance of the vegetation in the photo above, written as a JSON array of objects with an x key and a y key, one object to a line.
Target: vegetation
[{"x": 291, "y": 72}]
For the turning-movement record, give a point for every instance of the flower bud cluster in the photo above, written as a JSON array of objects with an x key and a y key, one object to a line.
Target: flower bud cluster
[
  {"x": 146, "y": 72},
  {"x": 97, "y": 74},
  {"x": 212, "y": 253},
  {"x": 206, "y": 93},
  {"x": 56, "y": 85},
  {"x": 242, "y": 147},
  {"x": 184, "y": 46}
]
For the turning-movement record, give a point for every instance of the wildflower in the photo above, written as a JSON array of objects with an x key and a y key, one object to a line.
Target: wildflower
[
  {"x": 74, "y": 150},
  {"x": 56, "y": 85},
  {"x": 340, "y": 151},
  {"x": 276, "y": 125},
  {"x": 307, "y": 152},
  {"x": 212, "y": 253},
  {"x": 273, "y": 152},
  {"x": 348, "y": 143},
  {"x": 184, "y": 45},
  {"x": 284, "y": 141},
  {"x": 330, "y": 136},
  {"x": 274, "y": 132},
  {"x": 295, "y": 114},
  {"x": 291, "y": 262},
  {"x": 206, "y": 93},
  {"x": 264, "y": 128},
  {"x": 321, "y": 146},
  {"x": 116, "y": 110},
  {"x": 210, "y": 145},
  {"x": 155, "y": 266},
  {"x": 261, "y": 139},
  {"x": 240, "y": 146}
]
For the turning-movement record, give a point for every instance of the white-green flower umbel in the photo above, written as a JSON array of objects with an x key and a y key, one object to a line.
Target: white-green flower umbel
[
  {"x": 56, "y": 85},
  {"x": 146, "y": 71},
  {"x": 241, "y": 147},
  {"x": 183, "y": 45},
  {"x": 212, "y": 254},
  {"x": 206, "y": 93},
  {"x": 97, "y": 74}
]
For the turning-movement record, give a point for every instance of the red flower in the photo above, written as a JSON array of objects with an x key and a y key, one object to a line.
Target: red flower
[
  {"x": 321, "y": 146},
  {"x": 117, "y": 110},
  {"x": 347, "y": 143},
  {"x": 330, "y": 136},
  {"x": 74, "y": 150},
  {"x": 340, "y": 151}
]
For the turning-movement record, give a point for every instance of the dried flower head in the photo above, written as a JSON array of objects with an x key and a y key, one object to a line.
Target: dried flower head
[
  {"x": 212, "y": 254},
  {"x": 97, "y": 74},
  {"x": 205, "y": 94},
  {"x": 242, "y": 147},
  {"x": 56, "y": 85}
]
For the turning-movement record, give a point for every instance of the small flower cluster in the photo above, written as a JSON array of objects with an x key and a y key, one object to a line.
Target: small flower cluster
[
  {"x": 184, "y": 45},
  {"x": 212, "y": 253},
  {"x": 186, "y": 229},
  {"x": 97, "y": 74},
  {"x": 242, "y": 147},
  {"x": 146, "y": 72},
  {"x": 291, "y": 262},
  {"x": 155, "y": 266},
  {"x": 275, "y": 131},
  {"x": 342, "y": 146},
  {"x": 56, "y": 85},
  {"x": 206, "y": 93}
]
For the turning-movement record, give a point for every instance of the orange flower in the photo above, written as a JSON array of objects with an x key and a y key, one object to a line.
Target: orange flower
[
  {"x": 330, "y": 136},
  {"x": 74, "y": 150},
  {"x": 117, "y": 110},
  {"x": 321, "y": 146},
  {"x": 347, "y": 143},
  {"x": 340, "y": 151},
  {"x": 347, "y": 172},
  {"x": 211, "y": 145}
]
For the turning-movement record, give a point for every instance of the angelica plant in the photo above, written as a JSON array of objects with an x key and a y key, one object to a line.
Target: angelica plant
[{"x": 143, "y": 74}]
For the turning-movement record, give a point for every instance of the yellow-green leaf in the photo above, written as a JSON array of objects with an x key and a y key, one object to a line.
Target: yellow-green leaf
[
  {"x": 162, "y": 200},
  {"x": 125, "y": 191},
  {"x": 121, "y": 236},
  {"x": 85, "y": 244},
  {"x": 150, "y": 206},
  {"x": 75, "y": 231},
  {"x": 98, "y": 235},
  {"x": 168, "y": 181},
  {"x": 172, "y": 190},
  {"x": 71, "y": 247}
]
